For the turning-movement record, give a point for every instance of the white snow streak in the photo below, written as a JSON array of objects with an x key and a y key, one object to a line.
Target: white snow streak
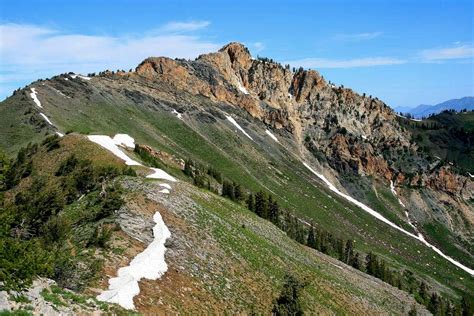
[
  {"x": 126, "y": 141},
  {"x": 271, "y": 135},
  {"x": 231, "y": 119},
  {"x": 109, "y": 144},
  {"x": 242, "y": 88},
  {"x": 34, "y": 96},
  {"x": 383, "y": 219},
  {"x": 149, "y": 264},
  {"x": 471, "y": 175},
  {"x": 178, "y": 115},
  {"x": 60, "y": 134},
  {"x": 74, "y": 76},
  {"x": 160, "y": 174},
  {"x": 46, "y": 119},
  {"x": 392, "y": 188},
  {"x": 165, "y": 185}
]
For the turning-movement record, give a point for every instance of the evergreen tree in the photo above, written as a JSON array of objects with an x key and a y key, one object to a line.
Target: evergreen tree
[
  {"x": 466, "y": 306},
  {"x": 273, "y": 210},
  {"x": 434, "y": 305},
  {"x": 261, "y": 207},
  {"x": 188, "y": 170},
  {"x": 355, "y": 263},
  {"x": 371, "y": 263},
  {"x": 349, "y": 252},
  {"x": 288, "y": 303},
  {"x": 423, "y": 292},
  {"x": 412, "y": 311},
  {"x": 238, "y": 192},
  {"x": 251, "y": 202},
  {"x": 311, "y": 241}
]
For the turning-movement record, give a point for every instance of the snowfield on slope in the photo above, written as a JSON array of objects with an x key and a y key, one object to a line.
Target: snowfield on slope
[
  {"x": 149, "y": 264},
  {"x": 46, "y": 119},
  {"x": 34, "y": 96},
  {"x": 231, "y": 119},
  {"x": 383, "y": 219},
  {"x": 271, "y": 135},
  {"x": 112, "y": 145},
  {"x": 74, "y": 76}
]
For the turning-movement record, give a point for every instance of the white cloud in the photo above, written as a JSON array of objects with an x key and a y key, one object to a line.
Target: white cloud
[
  {"x": 257, "y": 46},
  {"x": 29, "y": 52},
  {"x": 345, "y": 63},
  {"x": 443, "y": 54},
  {"x": 357, "y": 37},
  {"x": 181, "y": 27}
]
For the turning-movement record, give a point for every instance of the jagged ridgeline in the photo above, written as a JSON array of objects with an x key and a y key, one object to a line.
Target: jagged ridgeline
[{"x": 286, "y": 184}]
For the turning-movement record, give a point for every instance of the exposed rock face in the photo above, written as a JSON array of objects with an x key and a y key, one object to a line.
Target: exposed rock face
[{"x": 353, "y": 133}]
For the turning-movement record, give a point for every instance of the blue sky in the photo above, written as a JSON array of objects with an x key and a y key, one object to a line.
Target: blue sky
[{"x": 404, "y": 52}]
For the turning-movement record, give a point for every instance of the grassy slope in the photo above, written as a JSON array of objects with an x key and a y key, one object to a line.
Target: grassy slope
[
  {"x": 228, "y": 257},
  {"x": 263, "y": 164}
]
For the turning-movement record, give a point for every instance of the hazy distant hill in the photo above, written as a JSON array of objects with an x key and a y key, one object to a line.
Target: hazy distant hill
[{"x": 426, "y": 109}]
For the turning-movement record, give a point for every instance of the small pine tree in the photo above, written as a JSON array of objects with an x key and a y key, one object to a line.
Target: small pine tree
[
  {"x": 349, "y": 252},
  {"x": 251, "y": 202},
  {"x": 261, "y": 207},
  {"x": 311, "y": 241},
  {"x": 412, "y": 311}
]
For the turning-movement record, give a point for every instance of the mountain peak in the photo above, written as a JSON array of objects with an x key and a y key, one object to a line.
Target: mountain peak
[{"x": 238, "y": 53}]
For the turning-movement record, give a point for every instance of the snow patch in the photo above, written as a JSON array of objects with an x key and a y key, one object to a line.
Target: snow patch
[
  {"x": 165, "y": 185},
  {"x": 471, "y": 175},
  {"x": 166, "y": 191},
  {"x": 290, "y": 96},
  {"x": 160, "y": 174},
  {"x": 178, "y": 115},
  {"x": 271, "y": 135},
  {"x": 364, "y": 137},
  {"x": 74, "y": 76},
  {"x": 231, "y": 119},
  {"x": 383, "y": 219},
  {"x": 149, "y": 264},
  {"x": 242, "y": 88},
  {"x": 109, "y": 144},
  {"x": 60, "y": 134},
  {"x": 46, "y": 119},
  {"x": 415, "y": 120},
  {"x": 392, "y": 188},
  {"x": 124, "y": 140},
  {"x": 34, "y": 96}
]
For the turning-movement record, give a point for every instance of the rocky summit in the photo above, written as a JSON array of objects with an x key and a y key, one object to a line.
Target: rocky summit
[{"x": 269, "y": 180}]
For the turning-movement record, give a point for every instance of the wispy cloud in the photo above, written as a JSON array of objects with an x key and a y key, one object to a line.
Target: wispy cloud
[
  {"x": 182, "y": 27},
  {"x": 257, "y": 46},
  {"x": 357, "y": 37},
  {"x": 345, "y": 63},
  {"x": 31, "y": 51},
  {"x": 447, "y": 53}
]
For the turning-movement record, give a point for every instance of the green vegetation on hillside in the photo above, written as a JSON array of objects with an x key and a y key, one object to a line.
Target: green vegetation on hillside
[{"x": 42, "y": 212}]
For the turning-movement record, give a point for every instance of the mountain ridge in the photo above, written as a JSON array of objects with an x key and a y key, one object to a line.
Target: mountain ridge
[
  {"x": 424, "y": 110},
  {"x": 183, "y": 107}
]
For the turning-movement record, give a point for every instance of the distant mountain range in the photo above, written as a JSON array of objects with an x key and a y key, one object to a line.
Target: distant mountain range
[{"x": 426, "y": 109}]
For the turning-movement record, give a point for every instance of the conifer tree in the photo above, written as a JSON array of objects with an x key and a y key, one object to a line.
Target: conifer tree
[
  {"x": 251, "y": 202},
  {"x": 349, "y": 252},
  {"x": 261, "y": 208},
  {"x": 311, "y": 241}
]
